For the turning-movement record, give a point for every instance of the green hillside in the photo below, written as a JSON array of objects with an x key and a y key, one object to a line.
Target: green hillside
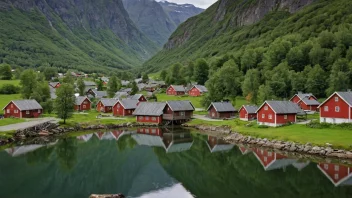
[{"x": 67, "y": 38}]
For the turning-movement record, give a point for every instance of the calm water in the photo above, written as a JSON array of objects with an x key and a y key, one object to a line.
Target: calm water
[{"x": 149, "y": 163}]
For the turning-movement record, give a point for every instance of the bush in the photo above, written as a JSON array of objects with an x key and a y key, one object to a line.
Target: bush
[
  {"x": 263, "y": 126},
  {"x": 9, "y": 89}
]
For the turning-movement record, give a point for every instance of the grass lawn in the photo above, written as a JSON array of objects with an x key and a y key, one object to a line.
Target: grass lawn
[
  {"x": 195, "y": 100},
  {"x": 8, "y": 121},
  {"x": 13, "y": 82},
  {"x": 5, "y": 99},
  {"x": 338, "y": 137}
]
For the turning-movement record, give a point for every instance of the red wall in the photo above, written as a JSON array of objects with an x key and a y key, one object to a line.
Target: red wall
[
  {"x": 295, "y": 99},
  {"x": 171, "y": 91},
  {"x": 87, "y": 104},
  {"x": 266, "y": 157},
  {"x": 158, "y": 119},
  {"x": 243, "y": 113},
  {"x": 219, "y": 115},
  {"x": 194, "y": 92},
  {"x": 168, "y": 110},
  {"x": 119, "y": 110},
  {"x": 150, "y": 131},
  {"x": 266, "y": 113},
  {"x": 12, "y": 107},
  {"x": 341, "y": 171},
  {"x": 308, "y": 107},
  {"x": 280, "y": 118},
  {"x": 344, "y": 108},
  {"x": 142, "y": 99},
  {"x": 100, "y": 106}
]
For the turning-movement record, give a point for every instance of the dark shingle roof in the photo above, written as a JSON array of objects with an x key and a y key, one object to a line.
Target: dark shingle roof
[
  {"x": 182, "y": 105},
  {"x": 24, "y": 105},
  {"x": 100, "y": 94},
  {"x": 108, "y": 102},
  {"x": 150, "y": 108},
  {"x": 201, "y": 88},
  {"x": 80, "y": 99},
  {"x": 303, "y": 95},
  {"x": 282, "y": 107},
  {"x": 136, "y": 96},
  {"x": 89, "y": 83},
  {"x": 310, "y": 102},
  {"x": 119, "y": 95},
  {"x": 129, "y": 103},
  {"x": 178, "y": 88},
  {"x": 222, "y": 107},
  {"x": 250, "y": 108},
  {"x": 126, "y": 90},
  {"x": 346, "y": 96}
]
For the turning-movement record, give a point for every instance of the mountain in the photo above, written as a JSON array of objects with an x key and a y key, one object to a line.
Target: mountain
[
  {"x": 91, "y": 36},
  {"x": 228, "y": 26},
  {"x": 158, "y": 20}
]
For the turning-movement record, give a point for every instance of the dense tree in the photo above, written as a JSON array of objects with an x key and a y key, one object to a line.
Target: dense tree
[
  {"x": 163, "y": 74},
  {"x": 279, "y": 80},
  {"x": 249, "y": 60},
  {"x": 68, "y": 78},
  {"x": 49, "y": 72},
  {"x": 339, "y": 77},
  {"x": 81, "y": 87},
  {"x": 100, "y": 85},
  {"x": 296, "y": 59},
  {"x": 265, "y": 93},
  {"x": 134, "y": 88},
  {"x": 251, "y": 85},
  {"x": 28, "y": 82},
  {"x": 41, "y": 92},
  {"x": 65, "y": 101},
  {"x": 316, "y": 81},
  {"x": 113, "y": 86},
  {"x": 5, "y": 71},
  {"x": 201, "y": 71},
  {"x": 145, "y": 78},
  {"x": 327, "y": 39},
  {"x": 190, "y": 70},
  {"x": 298, "y": 82}
]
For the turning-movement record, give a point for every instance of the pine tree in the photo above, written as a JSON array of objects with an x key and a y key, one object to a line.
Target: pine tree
[
  {"x": 201, "y": 71},
  {"x": 134, "y": 88},
  {"x": 113, "y": 86}
]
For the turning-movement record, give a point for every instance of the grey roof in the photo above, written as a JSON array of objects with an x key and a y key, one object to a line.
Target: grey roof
[
  {"x": 24, "y": 105},
  {"x": 310, "y": 102},
  {"x": 179, "y": 147},
  {"x": 119, "y": 95},
  {"x": 89, "y": 83},
  {"x": 222, "y": 107},
  {"x": 250, "y": 108},
  {"x": 282, "y": 107},
  {"x": 125, "y": 82},
  {"x": 148, "y": 140},
  {"x": 129, "y": 103},
  {"x": 347, "y": 96},
  {"x": 136, "y": 96},
  {"x": 138, "y": 80},
  {"x": 126, "y": 90},
  {"x": 80, "y": 99},
  {"x": 100, "y": 94},
  {"x": 178, "y": 88},
  {"x": 201, "y": 88},
  {"x": 141, "y": 86},
  {"x": 180, "y": 105},
  {"x": 108, "y": 102},
  {"x": 304, "y": 95},
  {"x": 150, "y": 108},
  {"x": 53, "y": 84},
  {"x": 105, "y": 79}
]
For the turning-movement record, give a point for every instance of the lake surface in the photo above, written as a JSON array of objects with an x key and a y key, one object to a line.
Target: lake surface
[{"x": 151, "y": 163}]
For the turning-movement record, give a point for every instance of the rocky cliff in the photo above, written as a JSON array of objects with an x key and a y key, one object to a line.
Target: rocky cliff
[{"x": 98, "y": 24}]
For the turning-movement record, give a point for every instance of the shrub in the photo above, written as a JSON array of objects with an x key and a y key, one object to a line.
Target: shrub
[
  {"x": 263, "y": 126},
  {"x": 9, "y": 89}
]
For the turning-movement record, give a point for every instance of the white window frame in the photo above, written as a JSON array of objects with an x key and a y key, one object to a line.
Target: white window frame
[
  {"x": 146, "y": 118},
  {"x": 15, "y": 111},
  {"x": 336, "y": 98},
  {"x": 182, "y": 113},
  {"x": 118, "y": 106},
  {"x": 326, "y": 166},
  {"x": 140, "y": 117},
  {"x": 337, "y": 109},
  {"x": 270, "y": 116},
  {"x": 336, "y": 176},
  {"x": 147, "y": 130},
  {"x": 84, "y": 106},
  {"x": 27, "y": 112},
  {"x": 266, "y": 108},
  {"x": 270, "y": 153},
  {"x": 38, "y": 110},
  {"x": 265, "y": 159},
  {"x": 285, "y": 117},
  {"x": 337, "y": 167},
  {"x": 326, "y": 108},
  {"x": 153, "y": 118},
  {"x": 263, "y": 115}
]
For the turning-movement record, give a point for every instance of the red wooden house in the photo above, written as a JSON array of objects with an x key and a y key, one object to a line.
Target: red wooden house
[
  {"x": 175, "y": 90},
  {"x": 309, "y": 105},
  {"x": 138, "y": 97},
  {"x": 105, "y": 105},
  {"x": 125, "y": 107},
  {"x": 339, "y": 175},
  {"x": 248, "y": 112},
  {"x": 277, "y": 113},
  {"x": 150, "y": 112},
  {"x": 23, "y": 109},
  {"x": 244, "y": 150},
  {"x": 217, "y": 144},
  {"x": 178, "y": 111},
  {"x": 271, "y": 160},
  {"x": 54, "y": 84},
  {"x": 221, "y": 110},
  {"x": 82, "y": 104},
  {"x": 197, "y": 90},
  {"x": 337, "y": 108},
  {"x": 300, "y": 96}
]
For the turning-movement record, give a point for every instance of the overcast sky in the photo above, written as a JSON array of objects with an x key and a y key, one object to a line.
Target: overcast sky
[{"x": 198, "y": 3}]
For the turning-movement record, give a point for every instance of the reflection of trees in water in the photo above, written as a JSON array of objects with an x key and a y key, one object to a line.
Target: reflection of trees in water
[
  {"x": 231, "y": 174},
  {"x": 66, "y": 151},
  {"x": 42, "y": 155},
  {"x": 126, "y": 142}
]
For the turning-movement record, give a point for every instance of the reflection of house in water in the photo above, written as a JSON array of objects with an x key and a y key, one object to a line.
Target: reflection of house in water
[
  {"x": 117, "y": 134},
  {"x": 85, "y": 138},
  {"x": 244, "y": 150},
  {"x": 271, "y": 160},
  {"x": 339, "y": 175},
  {"x": 170, "y": 141},
  {"x": 216, "y": 144},
  {"x": 21, "y": 150}
]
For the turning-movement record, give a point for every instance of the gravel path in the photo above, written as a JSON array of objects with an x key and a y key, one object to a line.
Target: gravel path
[{"x": 29, "y": 123}]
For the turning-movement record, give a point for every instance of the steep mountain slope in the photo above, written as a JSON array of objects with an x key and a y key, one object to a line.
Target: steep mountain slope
[
  {"x": 227, "y": 26},
  {"x": 158, "y": 20},
  {"x": 179, "y": 13},
  {"x": 85, "y": 35}
]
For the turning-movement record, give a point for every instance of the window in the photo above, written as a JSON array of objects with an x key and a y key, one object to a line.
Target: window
[
  {"x": 326, "y": 167},
  {"x": 285, "y": 117},
  {"x": 27, "y": 112},
  {"x": 263, "y": 115},
  {"x": 153, "y": 130},
  {"x": 118, "y": 106},
  {"x": 266, "y": 108},
  {"x": 336, "y": 176},
  {"x": 326, "y": 108},
  {"x": 147, "y": 130},
  {"x": 246, "y": 115},
  {"x": 261, "y": 152},
  {"x": 85, "y": 102},
  {"x": 38, "y": 110},
  {"x": 337, "y": 109},
  {"x": 11, "y": 105},
  {"x": 8, "y": 110},
  {"x": 140, "y": 117},
  {"x": 270, "y": 154},
  {"x": 16, "y": 111},
  {"x": 336, "y": 99},
  {"x": 182, "y": 113},
  {"x": 270, "y": 116},
  {"x": 146, "y": 118},
  {"x": 84, "y": 106},
  {"x": 265, "y": 159},
  {"x": 337, "y": 167},
  {"x": 154, "y": 118}
]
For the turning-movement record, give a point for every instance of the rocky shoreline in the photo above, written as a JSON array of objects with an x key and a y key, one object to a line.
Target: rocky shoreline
[{"x": 308, "y": 148}]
